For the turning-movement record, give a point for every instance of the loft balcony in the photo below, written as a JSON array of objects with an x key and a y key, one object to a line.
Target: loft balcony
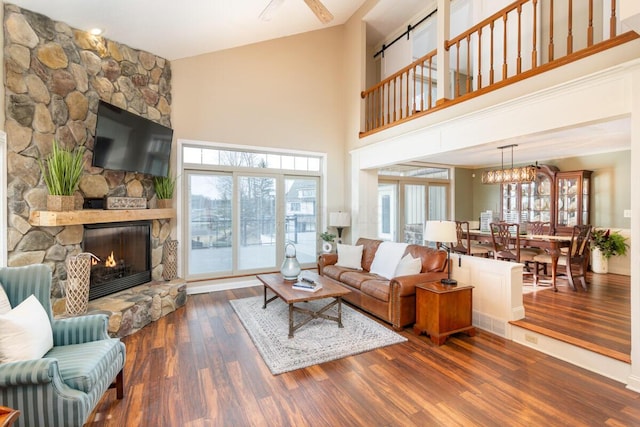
[{"x": 525, "y": 39}]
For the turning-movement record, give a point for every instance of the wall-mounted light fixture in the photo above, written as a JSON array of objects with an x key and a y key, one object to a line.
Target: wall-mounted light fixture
[{"x": 502, "y": 175}]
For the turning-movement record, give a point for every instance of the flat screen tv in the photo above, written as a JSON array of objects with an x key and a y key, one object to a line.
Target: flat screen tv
[{"x": 127, "y": 142}]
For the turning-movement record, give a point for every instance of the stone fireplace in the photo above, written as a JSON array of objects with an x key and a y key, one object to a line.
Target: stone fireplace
[
  {"x": 55, "y": 76},
  {"x": 123, "y": 250}
]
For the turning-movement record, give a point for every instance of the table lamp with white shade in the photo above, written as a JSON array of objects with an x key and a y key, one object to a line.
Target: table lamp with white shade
[
  {"x": 442, "y": 232},
  {"x": 339, "y": 220}
]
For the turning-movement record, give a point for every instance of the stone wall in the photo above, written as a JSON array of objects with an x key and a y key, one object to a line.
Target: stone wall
[{"x": 55, "y": 77}]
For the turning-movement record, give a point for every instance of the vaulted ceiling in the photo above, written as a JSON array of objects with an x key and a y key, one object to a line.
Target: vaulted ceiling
[{"x": 175, "y": 30}]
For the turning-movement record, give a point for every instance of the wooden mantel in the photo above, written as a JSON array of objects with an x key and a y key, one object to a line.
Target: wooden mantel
[{"x": 96, "y": 216}]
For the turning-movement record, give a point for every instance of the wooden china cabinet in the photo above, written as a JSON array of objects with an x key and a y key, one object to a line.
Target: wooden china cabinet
[
  {"x": 530, "y": 201},
  {"x": 572, "y": 200},
  {"x": 559, "y": 198}
]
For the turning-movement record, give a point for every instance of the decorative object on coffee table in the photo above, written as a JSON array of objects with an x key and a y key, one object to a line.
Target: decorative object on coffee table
[
  {"x": 290, "y": 268},
  {"x": 164, "y": 187},
  {"x": 61, "y": 172},
  {"x": 77, "y": 286},
  {"x": 442, "y": 310},
  {"x": 170, "y": 259}
]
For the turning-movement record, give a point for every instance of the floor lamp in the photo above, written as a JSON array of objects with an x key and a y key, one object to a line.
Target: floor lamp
[
  {"x": 339, "y": 220},
  {"x": 442, "y": 232}
]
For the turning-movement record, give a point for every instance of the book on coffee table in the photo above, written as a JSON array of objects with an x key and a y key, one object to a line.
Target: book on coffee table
[{"x": 306, "y": 284}]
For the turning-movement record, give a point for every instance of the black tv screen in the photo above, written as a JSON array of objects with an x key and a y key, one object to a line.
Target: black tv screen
[{"x": 127, "y": 142}]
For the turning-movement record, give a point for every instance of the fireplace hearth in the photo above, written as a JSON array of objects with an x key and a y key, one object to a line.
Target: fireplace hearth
[{"x": 124, "y": 254}]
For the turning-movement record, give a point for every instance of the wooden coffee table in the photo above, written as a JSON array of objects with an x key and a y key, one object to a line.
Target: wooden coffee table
[{"x": 283, "y": 290}]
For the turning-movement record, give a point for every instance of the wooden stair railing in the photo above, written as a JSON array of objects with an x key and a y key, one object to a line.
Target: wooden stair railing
[
  {"x": 389, "y": 101},
  {"x": 513, "y": 36}
]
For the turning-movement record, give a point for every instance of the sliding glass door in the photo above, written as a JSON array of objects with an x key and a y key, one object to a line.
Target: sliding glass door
[
  {"x": 257, "y": 222},
  {"x": 239, "y": 222},
  {"x": 405, "y": 205},
  {"x": 210, "y": 200},
  {"x": 301, "y": 216}
]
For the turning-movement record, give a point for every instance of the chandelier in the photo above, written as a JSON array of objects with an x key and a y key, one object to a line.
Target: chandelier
[{"x": 502, "y": 175}]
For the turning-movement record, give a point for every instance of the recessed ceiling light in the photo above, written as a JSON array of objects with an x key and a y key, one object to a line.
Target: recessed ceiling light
[{"x": 96, "y": 31}]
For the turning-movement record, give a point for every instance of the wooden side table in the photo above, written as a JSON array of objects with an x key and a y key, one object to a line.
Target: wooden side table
[
  {"x": 8, "y": 416},
  {"x": 443, "y": 310}
]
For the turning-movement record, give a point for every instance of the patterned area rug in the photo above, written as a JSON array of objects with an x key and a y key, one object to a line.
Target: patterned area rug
[{"x": 316, "y": 342}]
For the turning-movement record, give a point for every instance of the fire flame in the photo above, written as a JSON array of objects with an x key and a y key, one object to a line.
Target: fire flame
[{"x": 110, "y": 261}]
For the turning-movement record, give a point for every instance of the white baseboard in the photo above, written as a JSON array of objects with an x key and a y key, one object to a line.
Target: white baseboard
[
  {"x": 221, "y": 285},
  {"x": 634, "y": 383}
]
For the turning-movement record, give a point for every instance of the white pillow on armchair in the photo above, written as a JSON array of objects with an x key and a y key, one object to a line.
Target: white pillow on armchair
[{"x": 25, "y": 333}]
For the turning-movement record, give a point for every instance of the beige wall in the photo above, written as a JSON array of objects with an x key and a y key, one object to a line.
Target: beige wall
[
  {"x": 610, "y": 188},
  {"x": 284, "y": 93},
  {"x": 463, "y": 194}
]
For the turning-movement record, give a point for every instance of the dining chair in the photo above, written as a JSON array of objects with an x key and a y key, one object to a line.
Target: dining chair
[
  {"x": 575, "y": 261},
  {"x": 464, "y": 244},
  {"x": 506, "y": 244},
  {"x": 538, "y": 228}
]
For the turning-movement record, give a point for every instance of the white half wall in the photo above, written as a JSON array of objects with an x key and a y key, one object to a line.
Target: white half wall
[{"x": 497, "y": 292}]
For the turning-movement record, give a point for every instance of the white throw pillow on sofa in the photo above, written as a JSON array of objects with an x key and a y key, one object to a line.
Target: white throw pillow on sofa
[
  {"x": 408, "y": 265},
  {"x": 350, "y": 256},
  {"x": 26, "y": 332},
  {"x": 387, "y": 258}
]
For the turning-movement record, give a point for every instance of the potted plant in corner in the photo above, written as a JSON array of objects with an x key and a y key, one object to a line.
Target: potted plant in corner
[
  {"x": 61, "y": 171},
  {"x": 164, "y": 187},
  {"x": 328, "y": 239},
  {"x": 605, "y": 244}
]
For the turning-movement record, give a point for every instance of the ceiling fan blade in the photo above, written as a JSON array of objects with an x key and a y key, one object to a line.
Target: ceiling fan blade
[
  {"x": 268, "y": 11},
  {"x": 320, "y": 10}
]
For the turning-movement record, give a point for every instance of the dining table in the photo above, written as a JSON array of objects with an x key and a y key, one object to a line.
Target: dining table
[{"x": 550, "y": 243}]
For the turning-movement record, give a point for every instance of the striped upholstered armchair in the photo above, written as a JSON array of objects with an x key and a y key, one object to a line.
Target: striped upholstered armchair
[{"x": 63, "y": 387}]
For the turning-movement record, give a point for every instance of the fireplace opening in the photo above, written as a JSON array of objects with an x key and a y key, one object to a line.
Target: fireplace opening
[{"x": 124, "y": 253}]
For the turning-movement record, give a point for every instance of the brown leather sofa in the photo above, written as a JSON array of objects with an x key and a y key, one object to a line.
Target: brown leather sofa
[{"x": 394, "y": 300}]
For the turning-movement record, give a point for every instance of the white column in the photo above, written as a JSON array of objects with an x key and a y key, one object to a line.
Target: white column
[
  {"x": 634, "y": 379},
  {"x": 364, "y": 201},
  {"x": 442, "y": 74}
]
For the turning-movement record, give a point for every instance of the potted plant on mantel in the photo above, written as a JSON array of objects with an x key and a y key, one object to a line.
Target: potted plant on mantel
[
  {"x": 605, "y": 244},
  {"x": 164, "y": 187},
  {"x": 61, "y": 171}
]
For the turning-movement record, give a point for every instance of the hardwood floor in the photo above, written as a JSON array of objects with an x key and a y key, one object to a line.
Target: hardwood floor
[
  {"x": 598, "y": 320},
  {"x": 198, "y": 367}
]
